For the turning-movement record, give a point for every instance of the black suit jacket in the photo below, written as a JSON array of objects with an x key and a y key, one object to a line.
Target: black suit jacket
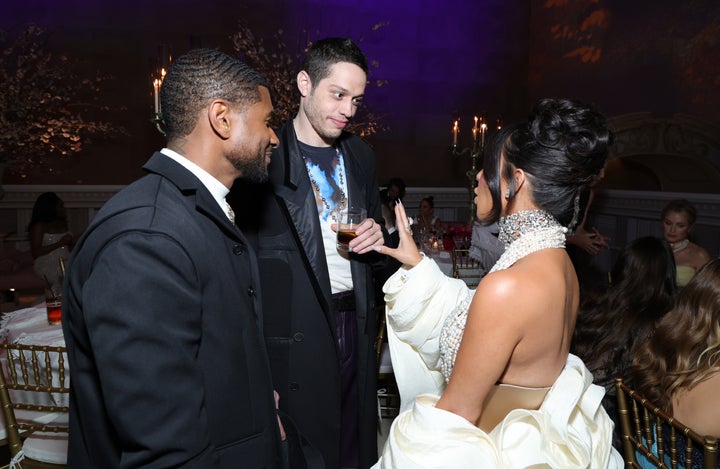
[
  {"x": 299, "y": 321},
  {"x": 163, "y": 324}
]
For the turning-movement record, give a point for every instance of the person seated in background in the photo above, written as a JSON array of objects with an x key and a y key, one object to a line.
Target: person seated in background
[
  {"x": 388, "y": 214},
  {"x": 485, "y": 247},
  {"x": 585, "y": 242},
  {"x": 678, "y": 368},
  {"x": 426, "y": 219},
  {"x": 610, "y": 326},
  {"x": 678, "y": 218},
  {"x": 381, "y": 275},
  {"x": 589, "y": 240},
  {"x": 393, "y": 192},
  {"x": 50, "y": 238}
]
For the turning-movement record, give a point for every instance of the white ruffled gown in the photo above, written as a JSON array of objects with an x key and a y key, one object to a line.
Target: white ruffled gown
[{"x": 569, "y": 430}]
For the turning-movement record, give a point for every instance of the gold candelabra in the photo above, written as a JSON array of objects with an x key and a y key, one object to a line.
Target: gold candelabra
[
  {"x": 157, "y": 80},
  {"x": 475, "y": 152},
  {"x": 163, "y": 63}
]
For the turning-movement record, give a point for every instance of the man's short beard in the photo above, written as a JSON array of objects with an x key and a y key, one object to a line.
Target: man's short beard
[{"x": 253, "y": 171}]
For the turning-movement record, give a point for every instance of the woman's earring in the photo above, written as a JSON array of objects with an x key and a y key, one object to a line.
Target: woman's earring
[{"x": 507, "y": 194}]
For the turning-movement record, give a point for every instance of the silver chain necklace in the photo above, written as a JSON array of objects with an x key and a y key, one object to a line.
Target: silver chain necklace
[{"x": 316, "y": 188}]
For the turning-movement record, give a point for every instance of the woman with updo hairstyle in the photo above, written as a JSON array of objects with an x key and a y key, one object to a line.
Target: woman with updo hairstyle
[
  {"x": 678, "y": 367},
  {"x": 426, "y": 219},
  {"x": 560, "y": 153},
  {"x": 485, "y": 377}
]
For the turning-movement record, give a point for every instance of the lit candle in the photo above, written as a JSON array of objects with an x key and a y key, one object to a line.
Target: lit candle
[
  {"x": 156, "y": 95},
  {"x": 483, "y": 130},
  {"x": 475, "y": 130},
  {"x": 455, "y": 132}
]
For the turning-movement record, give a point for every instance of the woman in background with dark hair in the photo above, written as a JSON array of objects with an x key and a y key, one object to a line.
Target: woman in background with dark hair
[
  {"x": 610, "y": 327},
  {"x": 393, "y": 192},
  {"x": 50, "y": 238},
  {"x": 426, "y": 219},
  {"x": 485, "y": 379}
]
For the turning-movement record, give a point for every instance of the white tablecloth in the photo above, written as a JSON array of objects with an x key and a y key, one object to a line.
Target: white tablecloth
[
  {"x": 30, "y": 326},
  {"x": 444, "y": 260}
]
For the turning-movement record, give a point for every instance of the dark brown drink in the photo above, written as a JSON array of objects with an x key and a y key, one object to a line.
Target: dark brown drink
[{"x": 344, "y": 237}]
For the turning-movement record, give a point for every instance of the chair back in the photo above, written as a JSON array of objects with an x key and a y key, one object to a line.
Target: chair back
[
  {"x": 466, "y": 267},
  {"x": 34, "y": 381},
  {"x": 650, "y": 435}
]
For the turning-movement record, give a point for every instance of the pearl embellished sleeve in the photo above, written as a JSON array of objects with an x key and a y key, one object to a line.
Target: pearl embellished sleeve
[{"x": 417, "y": 302}]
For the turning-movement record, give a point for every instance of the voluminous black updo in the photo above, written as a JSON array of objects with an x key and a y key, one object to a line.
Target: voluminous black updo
[{"x": 561, "y": 148}]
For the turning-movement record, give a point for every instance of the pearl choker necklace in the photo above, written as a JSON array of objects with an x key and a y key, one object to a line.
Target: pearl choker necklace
[
  {"x": 680, "y": 245},
  {"x": 525, "y": 221},
  {"x": 526, "y": 232}
]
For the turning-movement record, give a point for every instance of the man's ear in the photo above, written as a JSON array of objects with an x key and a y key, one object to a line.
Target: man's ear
[
  {"x": 303, "y": 83},
  {"x": 219, "y": 116}
]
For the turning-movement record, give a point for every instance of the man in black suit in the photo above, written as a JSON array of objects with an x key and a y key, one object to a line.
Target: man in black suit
[
  {"x": 320, "y": 319},
  {"x": 162, "y": 313}
]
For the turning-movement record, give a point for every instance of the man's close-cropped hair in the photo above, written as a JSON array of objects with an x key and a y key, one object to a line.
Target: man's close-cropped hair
[{"x": 197, "y": 78}]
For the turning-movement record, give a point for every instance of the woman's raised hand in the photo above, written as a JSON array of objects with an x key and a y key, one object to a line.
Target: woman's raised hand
[{"x": 406, "y": 252}]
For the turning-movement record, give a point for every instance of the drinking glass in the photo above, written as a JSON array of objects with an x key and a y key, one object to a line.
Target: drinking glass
[
  {"x": 53, "y": 302},
  {"x": 347, "y": 220}
]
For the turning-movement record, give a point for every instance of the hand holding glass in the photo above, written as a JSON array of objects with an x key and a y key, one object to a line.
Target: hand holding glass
[{"x": 347, "y": 220}]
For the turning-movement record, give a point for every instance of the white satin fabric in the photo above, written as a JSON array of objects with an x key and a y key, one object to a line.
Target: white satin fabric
[{"x": 569, "y": 430}]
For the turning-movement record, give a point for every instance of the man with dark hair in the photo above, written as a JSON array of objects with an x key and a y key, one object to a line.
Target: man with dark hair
[
  {"x": 320, "y": 321},
  {"x": 393, "y": 193},
  {"x": 162, "y": 314}
]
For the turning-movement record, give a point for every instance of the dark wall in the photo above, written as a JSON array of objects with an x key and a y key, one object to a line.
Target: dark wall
[
  {"x": 658, "y": 56},
  {"x": 440, "y": 59}
]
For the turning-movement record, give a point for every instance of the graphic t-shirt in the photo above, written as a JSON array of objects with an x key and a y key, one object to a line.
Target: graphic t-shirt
[{"x": 328, "y": 178}]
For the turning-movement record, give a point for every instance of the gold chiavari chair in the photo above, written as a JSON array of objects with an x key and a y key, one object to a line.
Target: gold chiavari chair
[
  {"x": 650, "y": 435},
  {"x": 467, "y": 268},
  {"x": 34, "y": 392}
]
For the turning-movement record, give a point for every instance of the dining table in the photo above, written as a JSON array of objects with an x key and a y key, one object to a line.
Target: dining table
[
  {"x": 444, "y": 261},
  {"x": 30, "y": 326}
]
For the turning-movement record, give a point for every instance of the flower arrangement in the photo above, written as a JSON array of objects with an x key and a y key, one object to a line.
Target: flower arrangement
[
  {"x": 280, "y": 64},
  {"x": 47, "y": 111}
]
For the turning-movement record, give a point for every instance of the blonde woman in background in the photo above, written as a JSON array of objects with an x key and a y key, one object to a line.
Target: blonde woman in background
[{"x": 678, "y": 218}]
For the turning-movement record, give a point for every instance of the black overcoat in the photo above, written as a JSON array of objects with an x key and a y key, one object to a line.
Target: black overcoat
[
  {"x": 299, "y": 321},
  {"x": 163, "y": 324}
]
